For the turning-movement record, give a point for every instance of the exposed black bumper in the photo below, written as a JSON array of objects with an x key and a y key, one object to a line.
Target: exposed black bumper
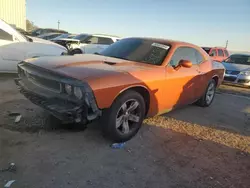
[{"x": 65, "y": 110}]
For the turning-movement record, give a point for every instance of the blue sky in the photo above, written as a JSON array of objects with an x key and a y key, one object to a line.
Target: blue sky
[{"x": 206, "y": 23}]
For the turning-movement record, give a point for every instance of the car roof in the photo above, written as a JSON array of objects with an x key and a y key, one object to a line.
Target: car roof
[
  {"x": 167, "y": 41},
  {"x": 105, "y": 35},
  {"x": 215, "y": 47}
]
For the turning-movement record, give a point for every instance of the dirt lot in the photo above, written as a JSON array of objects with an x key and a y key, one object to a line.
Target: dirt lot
[{"x": 189, "y": 147}]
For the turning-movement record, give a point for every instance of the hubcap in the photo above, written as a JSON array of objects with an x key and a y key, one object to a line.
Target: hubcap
[
  {"x": 210, "y": 93},
  {"x": 127, "y": 116}
]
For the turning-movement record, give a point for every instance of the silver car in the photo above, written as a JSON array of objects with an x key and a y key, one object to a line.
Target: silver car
[{"x": 237, "y": 69}]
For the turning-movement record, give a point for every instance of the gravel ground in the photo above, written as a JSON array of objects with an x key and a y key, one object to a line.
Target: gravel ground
[{"x": 189, "y": 147}]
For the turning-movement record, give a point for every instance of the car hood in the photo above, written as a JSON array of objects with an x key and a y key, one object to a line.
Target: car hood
[
  {"x": 39, "y": 40},
  {"x": 88, "y": 65},
  {"x": 236, "y": 67}
]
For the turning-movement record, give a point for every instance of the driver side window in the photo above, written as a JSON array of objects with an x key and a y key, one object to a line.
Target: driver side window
[
  {"x": 183, "y": 53},
  {"x": 93, "y": 40}
]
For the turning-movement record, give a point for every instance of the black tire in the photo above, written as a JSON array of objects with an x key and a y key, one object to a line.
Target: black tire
[
  {"x": 203, "y": 101},
  {"x": 75, "y": 51},
  {"x": 110, "y": 116}
]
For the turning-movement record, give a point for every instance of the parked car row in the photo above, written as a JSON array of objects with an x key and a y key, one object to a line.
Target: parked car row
[{"x": 15, "y": 47}]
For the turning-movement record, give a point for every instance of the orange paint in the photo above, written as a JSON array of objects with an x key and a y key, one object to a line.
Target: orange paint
[{"x": 168, "y": 87}]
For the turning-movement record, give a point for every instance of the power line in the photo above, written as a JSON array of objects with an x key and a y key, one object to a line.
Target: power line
[
  {"x": 58, "y": 24},
  {"x": 226, "y": 43}
]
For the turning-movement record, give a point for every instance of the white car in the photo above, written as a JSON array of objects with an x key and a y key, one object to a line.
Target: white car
[
  {"x": 15, "y": 47},
  {"x": 87, "y": 43}
]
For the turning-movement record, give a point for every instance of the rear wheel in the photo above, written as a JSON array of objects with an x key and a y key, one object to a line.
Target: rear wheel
[
  {"x": 208, "y": 97},
  {"x": 124, "y": 118}
]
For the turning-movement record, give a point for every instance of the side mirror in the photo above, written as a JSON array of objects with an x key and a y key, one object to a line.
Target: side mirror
[
  {"x": 88, "y": 42},
  {"x": 211, "y": 55},
  {"x": 185, "y": 63}
]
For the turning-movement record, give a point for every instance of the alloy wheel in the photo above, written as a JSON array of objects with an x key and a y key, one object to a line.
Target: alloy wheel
[
  {"x": 128, "y": 116},
  {"x": 210, "y": 93}
]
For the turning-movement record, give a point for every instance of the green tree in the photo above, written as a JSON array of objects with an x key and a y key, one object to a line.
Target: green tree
[{"x": 30, "y": 25}]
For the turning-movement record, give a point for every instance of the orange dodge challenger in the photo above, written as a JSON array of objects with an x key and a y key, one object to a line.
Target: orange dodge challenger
[{"x": 131, "y": 79}]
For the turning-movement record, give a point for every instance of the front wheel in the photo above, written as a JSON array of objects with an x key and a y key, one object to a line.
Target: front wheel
[
  {"x": 124, "y": 118},
  {"x": 75, "y": 51},
  {"x": 208, "y": 97}
]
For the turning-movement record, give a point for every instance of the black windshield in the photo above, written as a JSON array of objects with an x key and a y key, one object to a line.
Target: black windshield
[
  {"x": 239, "y": 59},
  {"x": 139, "y": 50}
]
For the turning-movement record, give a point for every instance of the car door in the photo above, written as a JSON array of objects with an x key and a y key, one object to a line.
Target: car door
[
  {"x": 201, "y": 81},
  {"x": 96, "y": 44},
  {"x": 181, "y": 83},
  {"x": 104, "y": 42},
  {"x": 91, "y": 46}
]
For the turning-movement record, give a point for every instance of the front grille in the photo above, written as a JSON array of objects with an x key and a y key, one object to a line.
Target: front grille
[
  {"x": 60, "y": 104},
  {"x": 232, "y": 72},
  {"x": 230, "y": 79},
  {"x": 243, "y": 81},
  {"x": 40, "y": 81},
  {"x": 51, "y": 84}
]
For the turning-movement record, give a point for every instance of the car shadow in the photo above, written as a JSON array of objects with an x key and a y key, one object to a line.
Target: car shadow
[{"x": 222, "y": 114}]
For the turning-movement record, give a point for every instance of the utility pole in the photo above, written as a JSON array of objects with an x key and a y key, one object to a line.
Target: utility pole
[
  {"x": 226, "y": 43},
  {"x": 58, "y": 24}
]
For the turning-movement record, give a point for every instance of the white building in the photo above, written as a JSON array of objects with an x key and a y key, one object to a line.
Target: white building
[{"x": 13, "y": 12}]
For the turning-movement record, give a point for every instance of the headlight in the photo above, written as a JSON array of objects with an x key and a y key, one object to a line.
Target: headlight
[
  {"x": 78, "y": 92},
  {"x": 246, "y": 73},
  {"x": 68, "y": 89}
]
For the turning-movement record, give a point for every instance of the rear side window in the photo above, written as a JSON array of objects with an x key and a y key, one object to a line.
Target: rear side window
[
  {"x": 213, "y": 53},
  {"x": 199, "y": 57},
  {"x": 220, "y": 52},
  {"x": 104, "y": 40},
  {"x": 226, "y": 53},
  {"x": 5, "y": 36}
]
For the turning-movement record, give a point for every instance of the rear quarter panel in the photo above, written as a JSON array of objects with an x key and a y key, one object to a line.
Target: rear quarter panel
[{"x": 218, "y": 69}]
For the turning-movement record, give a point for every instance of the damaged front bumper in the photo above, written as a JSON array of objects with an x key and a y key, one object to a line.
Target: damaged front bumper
[{"x": 39, "y": 86}]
